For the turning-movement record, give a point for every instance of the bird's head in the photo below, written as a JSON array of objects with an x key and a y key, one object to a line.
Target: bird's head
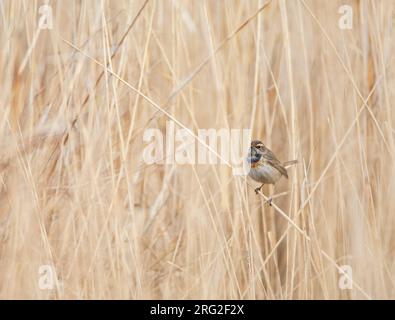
[{"x": 257, "y": 149}]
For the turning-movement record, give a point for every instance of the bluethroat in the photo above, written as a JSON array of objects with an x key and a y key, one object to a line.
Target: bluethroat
[{"x": 265, "y": 167}]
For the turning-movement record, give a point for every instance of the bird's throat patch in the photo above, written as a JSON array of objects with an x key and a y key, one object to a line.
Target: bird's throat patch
[
  {"x": 254, "y": 164},
  {"x": 253, "y": 158}
]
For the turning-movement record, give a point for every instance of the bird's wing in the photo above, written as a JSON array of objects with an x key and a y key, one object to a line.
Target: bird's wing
[
  {"x": 271, "y": 158},
  {"x": 280, "y": 168}
]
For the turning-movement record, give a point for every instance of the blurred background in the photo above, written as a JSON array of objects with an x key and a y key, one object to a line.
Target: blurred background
[{"x": 82, "y": 216}]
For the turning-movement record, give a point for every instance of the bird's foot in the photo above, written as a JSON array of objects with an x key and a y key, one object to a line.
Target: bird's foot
[
  {"x": 257, "y": 190},
  {"x": 269, "y": 201}
]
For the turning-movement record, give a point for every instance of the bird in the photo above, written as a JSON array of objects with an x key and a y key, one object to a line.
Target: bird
[{"x": 264, "y": 165}]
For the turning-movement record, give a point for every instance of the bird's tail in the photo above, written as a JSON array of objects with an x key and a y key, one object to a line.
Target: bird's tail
[{"x": 287, "y": 164}]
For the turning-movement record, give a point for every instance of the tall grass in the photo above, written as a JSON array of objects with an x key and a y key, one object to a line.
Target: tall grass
[{"x": 76, "y": 194}]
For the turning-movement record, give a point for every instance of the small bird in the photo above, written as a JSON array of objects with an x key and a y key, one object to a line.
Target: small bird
[{"x": 265, "y": 167}]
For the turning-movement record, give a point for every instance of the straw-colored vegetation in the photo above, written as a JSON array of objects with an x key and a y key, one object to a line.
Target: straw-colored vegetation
[{"x": 76, "y": 194}]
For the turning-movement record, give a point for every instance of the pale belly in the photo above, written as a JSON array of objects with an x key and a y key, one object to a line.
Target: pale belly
[{"x": 265, "y": 174}]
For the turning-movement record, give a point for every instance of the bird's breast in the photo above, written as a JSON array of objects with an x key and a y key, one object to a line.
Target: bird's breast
[{"x": 264, "y": 173}]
